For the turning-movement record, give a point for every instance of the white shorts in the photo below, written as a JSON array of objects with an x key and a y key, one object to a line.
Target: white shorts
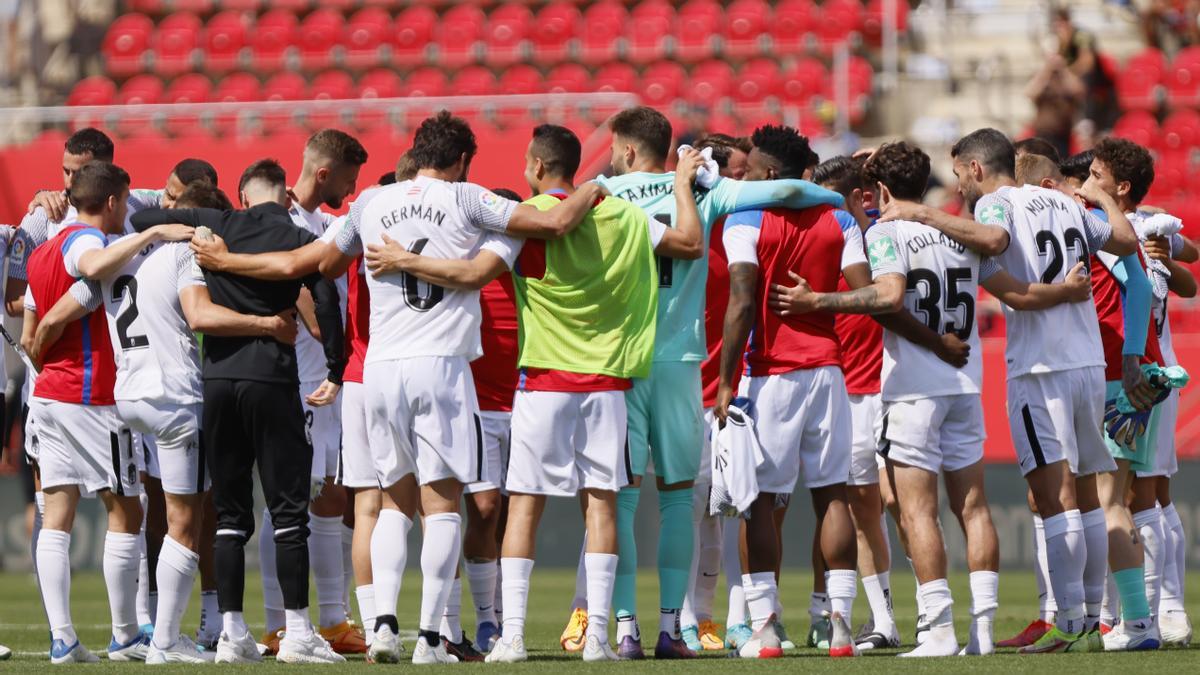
[
  {"x": 171, "y": 433},
  {"x": 563, "y": 442},
  {"x": 357, "y": 469},
  {"x": 87, "y": 446},
  {"x": 1165, "y": 461},
  {"x": 940, "y": 433},
  {"x": 31, "y": 426},
  {"x": 323, "y": 427},
  {"x": 496, "y": 428},
  {"x": 1057, "y": 417},
  {"x": 866, "y": 418},
  {"x": 705, "y": 475},
  {"x": 148, "y": 457},
  {"x": 803, "y": 419},
  {"x": 423, "y": 418}
]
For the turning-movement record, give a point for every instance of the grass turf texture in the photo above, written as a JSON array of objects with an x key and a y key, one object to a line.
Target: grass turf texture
[{"x": 22, "y": 628}]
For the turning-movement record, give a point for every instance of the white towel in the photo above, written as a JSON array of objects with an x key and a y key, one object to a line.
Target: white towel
[
  {"x": 1157, "y": 225},
  {"x": 736, "y": 456},
  {"x": 708, "y": 174}
]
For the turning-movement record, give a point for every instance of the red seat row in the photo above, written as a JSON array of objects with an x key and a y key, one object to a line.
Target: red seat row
[
  {"x": 1148, "y": 79},
  {"x": 509, "y": 33}
]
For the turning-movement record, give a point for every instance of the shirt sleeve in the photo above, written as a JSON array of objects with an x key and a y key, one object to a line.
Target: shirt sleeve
[
  {"x": 852, "y": 251},
  {"x": 187, "y": 271},
  {"x": 346, "y": 238},
  {"x": 1096, "y": 229},
  {"x": 508, "y": 248},
  {"x": 20, "y": 245},
  {"x": 87, "y": 293},
  {"x": 1176, "y": 243},
  {"x": 995, "y": 209},
  {"x": 883, "y": 253},
  {"x": 1136, "y": 299},
  {"x": 482, "y": 207},
  {"x": 658, "y": 230},
  {"x": 741, "y": 237},
  {"x": 37, "y": 226},
  {"x": 729, "y": 196},
  {"x": 78, "y": 243},
  {"x": 334, "y": 228},
  {"x": 144, "y": 199},
  {"x": 987, "y": 267}
]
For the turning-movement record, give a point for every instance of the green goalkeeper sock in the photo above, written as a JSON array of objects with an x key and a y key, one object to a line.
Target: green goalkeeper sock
[
  {"x": 625, "y": 585},
  {"x": 675, "y": 541}
]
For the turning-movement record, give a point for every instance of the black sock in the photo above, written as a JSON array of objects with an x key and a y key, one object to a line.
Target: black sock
[
  {"x": 388, "y": 620},
  {"x": 431, "y": 637}
]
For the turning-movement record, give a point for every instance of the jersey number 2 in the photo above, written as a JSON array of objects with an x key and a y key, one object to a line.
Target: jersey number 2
[
  {"x": 412, "y": 288},
  {"x": 1049, "y": 247},
  {"x": 126, "y": 318}
]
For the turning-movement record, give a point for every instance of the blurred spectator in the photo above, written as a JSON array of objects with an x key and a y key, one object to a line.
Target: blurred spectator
[
  {"x": 1170, "y": 24},
  {"x": 1057, "y": 94},
  {"x": 1078, "y": 50}
]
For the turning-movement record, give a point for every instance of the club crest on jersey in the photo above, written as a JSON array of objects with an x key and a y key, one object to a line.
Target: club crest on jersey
[
  {"x": 992, "y": 215},
  {"x": 881, "y": 251}
]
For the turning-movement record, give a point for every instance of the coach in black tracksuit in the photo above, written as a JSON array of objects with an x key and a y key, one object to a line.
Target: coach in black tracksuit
[{"x": 252, "y": 408}]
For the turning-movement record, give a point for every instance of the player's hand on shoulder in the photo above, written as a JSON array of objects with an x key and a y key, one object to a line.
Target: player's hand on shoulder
[
  {"x": 1078, "y": 284},
  {"x": 209, "y": 252},
  {"x": 789, "y": 300},
  {"x": 387, "y": 258},
  {"x": 324, "y": 395},
  {"x": 53, "y": 201},
  {"x": 953, "y": 350},
  {"x": 284, "y": 328},
  {"x": 174, "y": 232}
]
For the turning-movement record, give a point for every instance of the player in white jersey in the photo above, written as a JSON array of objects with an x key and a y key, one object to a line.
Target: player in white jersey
[
  {"x": 1055, "y": 359},
  {"x": 155, "y": 302}
]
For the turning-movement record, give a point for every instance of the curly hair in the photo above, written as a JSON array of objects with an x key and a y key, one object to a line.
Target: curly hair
[
  {"x": 1077, "y": 166},
  {"x": 441, "y": 140},
  {"x": 1127, "y": 161},
  {"x": 786, "y": 146},
  {"x": 902, "y": 167},
  {"x": 842, "y": 174}
]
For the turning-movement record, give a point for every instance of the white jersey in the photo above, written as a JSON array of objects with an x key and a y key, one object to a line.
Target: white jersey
[
  {"x": 1048, "y": 233},
  {"x": 1159, "y": 305},
  {"x": 310, "y": 354},
  {"x": 41, "y": 228},
  {"x": 410, "y": 318},
  {"x": 158, "y": 358},
  {"x": 942, "y": 279}
]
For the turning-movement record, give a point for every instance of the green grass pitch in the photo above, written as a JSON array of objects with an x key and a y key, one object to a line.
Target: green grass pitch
[{"x": 22, "y": 628}]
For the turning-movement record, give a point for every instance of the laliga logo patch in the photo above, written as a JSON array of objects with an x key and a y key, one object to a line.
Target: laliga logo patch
[
  {"x": 491, "y": 201},
  {"x": 17, "y": 251}
]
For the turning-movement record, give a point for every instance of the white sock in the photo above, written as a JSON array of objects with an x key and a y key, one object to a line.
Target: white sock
[
  {"x": 499, "y": 594},
  {"x": 985, "y": 590},
  {"x": 1095, "y": 572},
  {"x": 441, "y": 544},
  {"x": 1174, "y": 552},
  {"x": 1066, "y": 557},
  {"x": 879, "y": 596},
  {"x": 709, "y": 567},
  {"x": 366, "y": 610},
  {"x": 938, "y": 602},
  {"x": 325, "y": 559},
  {"x": 818, "y": 603},
  {"x": 669, "y": 621},
  {"x": 234, "y": 625},
  {"x": 1149, "y": 526},
  {"x": 760, "y": 597},
  {"x": 1046, "y": 605},
  {"x": 297, "y": 624},
  {"x": 921, "y": 610},
  {"x": 515, "y": 587},
  {"x": 451, "y": 625},
  {"x": 627, "y": 626},
  {"x": 1110, "y": 610},
  {"x": 601, "y": 575},
  {"x": 347, "y": 567},
  {"x": 842, "y": 587},
  {"x": 732, "y": 564},
  {"x": 121, "y": 559},
  {"x": 143, "y": 603},
  {"x": 210, "y": 617},
  {"x": 39, "y": 512},
  {"x": 481, "y": 576},
  {"x": 389, "y": 554},
  {"x": 272, "y": 594},
  {"x": 176, "y": 571},
  {"x": 580, "y": 599},
  {"x": 54, "y": 576}
]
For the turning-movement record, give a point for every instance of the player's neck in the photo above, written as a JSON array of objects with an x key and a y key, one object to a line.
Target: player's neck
[
  {"x": 305, "y": 192},
  {"x": 647, "y": 165},
  {"x": 93, "y": 220},
  {"x": 995, "y": 182},
  {"x": 552, "y": 184},
  {"x": 439, "y": 175}
]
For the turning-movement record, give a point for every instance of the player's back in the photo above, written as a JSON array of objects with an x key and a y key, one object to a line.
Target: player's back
[
  {"x": 158, "y": 358},
  {"x": 1048, "y": 234}
]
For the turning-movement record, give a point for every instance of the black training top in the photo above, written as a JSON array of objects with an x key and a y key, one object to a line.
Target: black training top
[{"x": 260, "y": 229}]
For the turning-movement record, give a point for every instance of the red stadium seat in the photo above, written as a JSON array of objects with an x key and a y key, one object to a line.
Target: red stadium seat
[
  {"x": 285, "y": 87},
  {"x": 861, "y": 75},
  {"x": 746, "y": 24},
  {"x": 873, "y": 20},
  {"x": 792, "y": 25},
  {"x": 366, "y": 33},
  {"x": 412, "y": 34},
  {"x": 193, "y": 6},
  {"x": 555, "y": 26},
  {"x": 140, "y": 90},
  {"x": 803, "y": 81},
  {"x": 190, "y": 88},
  {"x": 248, "y": 6},
  {"x": 224, "y": 40},
  {"x": 293, "y": 6},
  {"x": 1172, "y": 173},
  {"x": 320, "y": 33},
  {"x": 710, "y": 82},
  {"x": 175, "y": 42},
  {"x": 380, "y": 83},
  {"x": 474, "y": 81},
  {"x": 1138, "y": 82},
  {"x": 332, "y": 85},
  {"x": 1138, "y": 126},
  {"x": 757, "y": 80},
  {"x": 272, "y": 40},
  {"x": 94, "y": 90},
  {"x": 696, "y": 29},
  {"x": 839, "y": 20},
  {"x": 238, "y": 87},
  {"x": 615, "y": 77},
  {"x": 521, "y": 79},
  {"x": 661, "y": 83},
  {"x": 152, "y": 7},
  {"x": 126, "y": 44},
  {"x": 1183, "y": 79},
  {"x": 603, "y": 31},
  {"x": 1181, "y": 131},
  {"x": 650, "y": 24},
  {"x": 458, "y": 35},
  {"x": 426, "y": 82},
  {"x": 504, "y": 40},
  {"x": 568, "y": 78}
]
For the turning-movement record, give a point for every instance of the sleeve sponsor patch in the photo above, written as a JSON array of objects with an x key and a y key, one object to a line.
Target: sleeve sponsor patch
[
  {"x": 881, "y": 252},
  {"x": 993, "y": 214},
  {"x": 491, "y": 201}
]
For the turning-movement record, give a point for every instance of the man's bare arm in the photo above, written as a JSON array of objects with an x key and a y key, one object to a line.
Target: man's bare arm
[
  {"x": 213, "y": 254},
  {"x": 530, "y": 221},
  {"x": 205, "y": 316},
  {"x": 739, "y": 319},
  {"x": 391, "y": 258}
]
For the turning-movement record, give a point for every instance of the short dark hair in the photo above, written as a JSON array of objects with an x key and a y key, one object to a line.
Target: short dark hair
[
  {"x": 94, "y": 183},
  {"x": 842, "y": 174},
  {"x": 646, "y": 127},
  {"x": 191, "y": 170},
  {"x": 202, "y": 194},
  {"x": 1127, "y": 161},
  {"x": 441, "y": 140},
  {"x": 1077, "y": 166},
  {"x": 723, "y": 146},
  {"x": 508, "y": 194},
  {"x": 786, "y": 146},
  {"x": 558, "y": 148},
  {"x": 990, "y": 148},
  {"x": 89, "y": 141},
  {"x": 902, "y": 167},
  {"x": 1037, "y": 146},
  {"x": 268, "y": 170},
  {"x": 338, "y": 146},
  {"x": 386, "y": 178}
]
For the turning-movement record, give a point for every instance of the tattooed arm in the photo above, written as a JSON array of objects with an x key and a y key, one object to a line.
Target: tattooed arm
[
  {"x": 884, "y": 296},
  {"x": 739, "y": 319}
]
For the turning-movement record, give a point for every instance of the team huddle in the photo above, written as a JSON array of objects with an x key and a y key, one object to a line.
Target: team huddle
[{"x": 753, "y": 318}]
